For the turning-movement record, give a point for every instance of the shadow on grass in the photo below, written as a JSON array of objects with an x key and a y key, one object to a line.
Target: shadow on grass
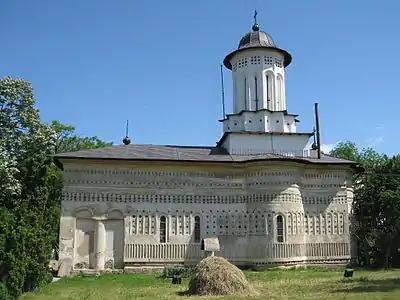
[
  {"x": 370, "y": 285},
  {"x": 184, "y": 293}
]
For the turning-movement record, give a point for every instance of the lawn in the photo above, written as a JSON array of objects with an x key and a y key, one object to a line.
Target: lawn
[{"x": 272, "y": 284}]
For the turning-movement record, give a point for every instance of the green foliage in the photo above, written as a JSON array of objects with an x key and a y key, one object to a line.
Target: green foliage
[
  {"x": 376, "y": 206},
  {"x": 367, "y": 157},
  {"x": 26, "y": 144},
  {"x": 183, "y": 271},
  {"x": 68, "y": 141},
  {"x": 30, "y": 187}
]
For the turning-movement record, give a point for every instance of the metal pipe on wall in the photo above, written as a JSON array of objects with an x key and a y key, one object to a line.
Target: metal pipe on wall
[{"x": 317, "y": 130}]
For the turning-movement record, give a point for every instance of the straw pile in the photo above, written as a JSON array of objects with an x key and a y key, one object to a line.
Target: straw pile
[{"x": 216, "y": 276}]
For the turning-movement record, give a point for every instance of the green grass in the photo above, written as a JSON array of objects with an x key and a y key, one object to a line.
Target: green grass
[{"x": 273, "y": 284}]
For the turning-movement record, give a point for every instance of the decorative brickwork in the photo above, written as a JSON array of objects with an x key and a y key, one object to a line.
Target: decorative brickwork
[{"x": 239, "y": 207}]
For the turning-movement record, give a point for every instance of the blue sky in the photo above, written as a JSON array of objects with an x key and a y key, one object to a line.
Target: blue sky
[{"x": 96, "y": 63}]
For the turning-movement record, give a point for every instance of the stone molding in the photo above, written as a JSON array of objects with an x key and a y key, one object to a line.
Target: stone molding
[
  {"x": 156, "y": 197},
  {"x": 136, "y": 178}
]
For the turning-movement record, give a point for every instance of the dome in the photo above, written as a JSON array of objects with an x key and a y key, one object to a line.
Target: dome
[{"x": 257, "y": 39}]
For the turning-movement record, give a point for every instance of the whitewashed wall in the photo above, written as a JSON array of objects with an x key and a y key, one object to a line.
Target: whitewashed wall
[{"x": 239, "y": 205}]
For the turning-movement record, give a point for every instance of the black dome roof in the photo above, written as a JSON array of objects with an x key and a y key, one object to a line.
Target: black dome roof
[{"x": 257, "y": 39}]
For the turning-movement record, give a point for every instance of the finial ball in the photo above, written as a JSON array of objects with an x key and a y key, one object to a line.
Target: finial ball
[
  {"x": 256, "y": 27},
  {"x": 126, "y": 140}
]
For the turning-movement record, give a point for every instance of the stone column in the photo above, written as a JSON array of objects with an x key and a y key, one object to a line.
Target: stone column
[{"x": 100, "y": 244}]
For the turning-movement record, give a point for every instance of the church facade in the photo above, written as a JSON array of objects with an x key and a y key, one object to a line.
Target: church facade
[{"x": 268, "y": 197}]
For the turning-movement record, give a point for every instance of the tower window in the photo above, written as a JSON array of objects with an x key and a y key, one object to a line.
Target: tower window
[
  {"x": 278, "y": 62},
  {"x": 245, "y": 94},
  {"x": 197, "y": 233},
  {"x": 256, "y": 91},
  {"x": 279, "y": 229},
  {"x": 280, "y": 91},
  {"x": 163, "y": 229},
  {"x": 268, "y": 60},
  {"x": 269, "y": 89}
]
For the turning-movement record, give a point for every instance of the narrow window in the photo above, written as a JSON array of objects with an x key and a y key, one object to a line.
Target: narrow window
[
  {"x": 279, "y": 99},
  {"x": 163, "y": 229},
  {"x": 245, "y": 94},
  {"x": 197, "y": 235},
  {"x": 269, "y": 85},
  {"x": 279, "y": 229},
  {"x": 236, "y": 94},
  {"x": 256, "y": 91}
]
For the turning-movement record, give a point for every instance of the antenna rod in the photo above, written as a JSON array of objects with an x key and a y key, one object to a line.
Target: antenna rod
[
  {"x": 317, "y": 130},
  {"x": 222, "y": 93}
]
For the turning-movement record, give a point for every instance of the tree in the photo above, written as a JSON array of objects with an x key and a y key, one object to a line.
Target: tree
[
  {"x": 26, "y": 146},
  {"x": 384, "y": 183},
  {"x": 69, "y": 141},
  {"x": 367, "y": 158},
  {"x": 376, "y": 206},
  {"x": 30, "y": 187}
]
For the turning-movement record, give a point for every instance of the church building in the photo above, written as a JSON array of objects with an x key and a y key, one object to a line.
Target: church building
[{"x": 267, "y": 195}]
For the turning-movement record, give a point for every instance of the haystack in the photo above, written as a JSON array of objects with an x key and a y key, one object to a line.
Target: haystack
[{"x": 216, "y": 276}]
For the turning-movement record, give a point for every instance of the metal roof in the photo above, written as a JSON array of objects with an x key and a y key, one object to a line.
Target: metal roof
[
  {"x": 144, "y": 152},
  {"x": 257, "y": 39}
]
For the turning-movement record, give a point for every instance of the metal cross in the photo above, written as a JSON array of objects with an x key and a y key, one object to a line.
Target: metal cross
[{"x": 255, "y": 16}]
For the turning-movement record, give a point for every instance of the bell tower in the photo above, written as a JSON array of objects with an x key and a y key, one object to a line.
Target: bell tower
[
  {"x": 258, "y": 72},
  {"x": 259, "y": 98}
]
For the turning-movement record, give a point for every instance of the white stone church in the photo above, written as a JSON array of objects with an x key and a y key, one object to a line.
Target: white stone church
[{"x": 261, "y": 190}]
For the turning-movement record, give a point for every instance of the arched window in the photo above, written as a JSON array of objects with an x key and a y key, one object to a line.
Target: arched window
[
  {"x": 197, "y": 233},
  {"x": 163, "y": 229},
  {"x": 256, "y": 91},
  {"x": 236, "y": 95},
  {"x": 279, "y": 229},
  {"x": 280, "y": 92},
  {"x": 245, "y": 94},
  {"x": 269, "y": 89}
]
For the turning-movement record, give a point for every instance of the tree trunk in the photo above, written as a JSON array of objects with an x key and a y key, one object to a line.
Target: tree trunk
[{"x": 387, "y": 256}]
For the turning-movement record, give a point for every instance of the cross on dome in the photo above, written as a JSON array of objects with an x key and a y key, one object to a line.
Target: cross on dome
[{"x": 255, "y": 27}]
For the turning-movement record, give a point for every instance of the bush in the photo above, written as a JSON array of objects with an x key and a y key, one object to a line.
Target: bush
[
  {"x": 24, "y": 253},
  {"x": 183, "y": 271}
]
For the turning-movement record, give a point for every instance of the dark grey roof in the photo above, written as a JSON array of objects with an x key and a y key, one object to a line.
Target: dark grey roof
[
  {"x": 186, "y": 153},
  {"x": 257, "y": 39}
]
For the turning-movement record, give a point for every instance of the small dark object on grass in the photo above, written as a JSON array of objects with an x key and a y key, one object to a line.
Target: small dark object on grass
[
  {"x": 176, "y": 279},
  {"x": 348, "y": 273}
]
